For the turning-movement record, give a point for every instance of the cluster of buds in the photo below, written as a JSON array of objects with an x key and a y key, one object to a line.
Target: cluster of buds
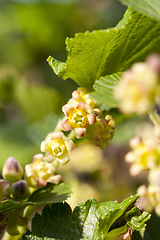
[
  {"x": 14, "y": 185},
  {"x": 101, "y": 132},
  {"x": 139, "y": 88}
]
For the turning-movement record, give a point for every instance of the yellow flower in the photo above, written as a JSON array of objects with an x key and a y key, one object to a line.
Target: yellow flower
[
  {"x": 143, "y": 156},
  {"x": 82, "y": 95},
  {"x": 39, "y": 172},
  {"x": 138, "y": 89},
  {"x": 79, "y": 115},
  {"x": 57, "y": 145}
]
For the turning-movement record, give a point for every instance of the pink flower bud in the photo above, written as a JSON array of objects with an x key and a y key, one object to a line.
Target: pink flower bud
[
  {"x": 20, "y": 190},
  {"x": 12, "y": 170}
]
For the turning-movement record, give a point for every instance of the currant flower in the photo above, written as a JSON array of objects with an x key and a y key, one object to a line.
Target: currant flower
[
  {"x": 56, "y": 146},
  {"x": 139, "y": 87},
  {"x": 79, "y": 115},
  {"x": 82, "y": 95},
  {"x": 101, "y": 132},
  {"x": 39, "y": 172},
  {"x": 143, "y": 156}
]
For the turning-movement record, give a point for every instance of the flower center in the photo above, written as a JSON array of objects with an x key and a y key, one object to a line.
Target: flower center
[
  {"x": 78, "y": 119},
  {"x": 57, "y": 147},
  {"x": 42, "y": 170}
]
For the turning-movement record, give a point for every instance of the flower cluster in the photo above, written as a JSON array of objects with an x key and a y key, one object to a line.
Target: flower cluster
[
  {"x": 139, "y": 87},
  {"x": 83, "y": 116},
  {"x": 145, "y": 156}
]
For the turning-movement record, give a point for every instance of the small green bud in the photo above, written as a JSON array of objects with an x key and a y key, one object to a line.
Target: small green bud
[
  {"x": 20, "y": 190},
  {"x": 12, "y": 170}
]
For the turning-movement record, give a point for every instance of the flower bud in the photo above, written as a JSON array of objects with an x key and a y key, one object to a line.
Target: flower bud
[
  {"x": 12, "y": 170},
  {"x": 20, "y": 190},
  {"x": 4, "y": 189}
]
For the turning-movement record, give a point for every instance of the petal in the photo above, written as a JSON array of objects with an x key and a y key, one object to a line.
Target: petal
[
  {"x": 64, "y": 159},
  {"x": 76, "y": 95},
  {"x": 98, "y": 111},
  {"x": 73, "y": 103},
  {"x": 49, "y": 158},
  {"x": 38, "y": 157},
  {"x": 85, "y": 107},
  {"x": 97, "y": 141},
  {"x": 110, "y": 120},
  {"x": 91, "y": 118},
  {"x": 57, "y": 135},
  {"x": 70, "y": 145},
  {"x": 44, "y": 146},
  {"x": 67, "y": 109},
  {"x": 4, "y": 184},
  {"x": 56, "y": 179},
  {"x": 28, "y": 170},
  {"x": 83, "y": 90},
  {"x": 66, "y": 125},
  {"x": 41, "y": 182},
  {"x": 80, "y": 132}
]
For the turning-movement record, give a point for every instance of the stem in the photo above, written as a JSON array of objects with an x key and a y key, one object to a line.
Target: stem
[
  {"x": 56, "y": 163},
  {"x": 154, "y": 118},
  {"x": 72, "y": 135},
  {"x": 58, "y": 128},
  {"x": 28, "y": 212}
]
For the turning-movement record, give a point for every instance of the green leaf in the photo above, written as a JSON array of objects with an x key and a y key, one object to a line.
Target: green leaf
[
  {"x": 104, "y": 87},
  {"x": 58, "y": 222},
  {"x": 113, "y": 214},
  {"x": 92, "y": 55},
  {"x": 87, "y": 221},
  {"x": 136, "y": 220},
  {"x": 50, "y": 194},
  {"x": 151, "y": 8}
]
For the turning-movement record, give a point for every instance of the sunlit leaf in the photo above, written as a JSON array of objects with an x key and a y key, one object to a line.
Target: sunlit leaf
[
  {"x": 92, "y": 55},
  {"x": 88, "y": 221},
  {"x": 104, "y": 91},
  {"x": 149, "y": 7}
]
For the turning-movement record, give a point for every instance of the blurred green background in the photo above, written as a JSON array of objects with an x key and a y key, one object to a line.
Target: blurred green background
[{"x": 31, "y": 95}]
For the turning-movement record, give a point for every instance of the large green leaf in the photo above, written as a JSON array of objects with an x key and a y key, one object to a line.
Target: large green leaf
[
  {"x": 149, "y": 7},
  {"x": 104, "y": 91},
  {"x": 51, "y": 193},
  {"x": 88, "y": 221},
  {"x": 104, "y": 52}
]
